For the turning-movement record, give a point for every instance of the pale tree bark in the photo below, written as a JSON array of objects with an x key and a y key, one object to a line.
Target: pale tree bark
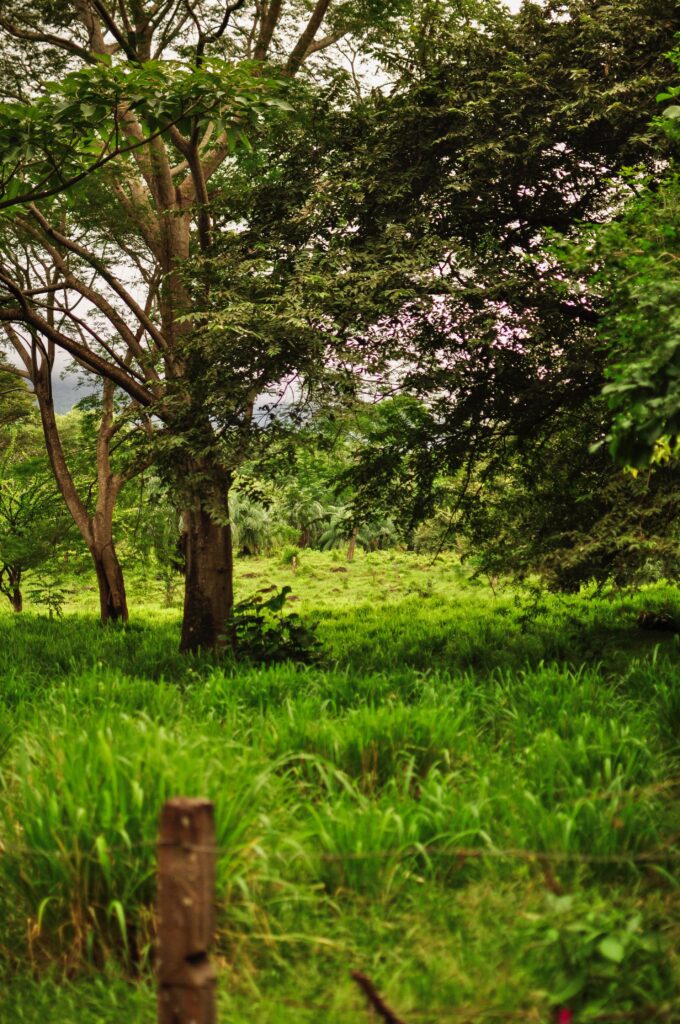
[
  {"x": 352, "y": 546},
  {"x": 96, "y": 529}
]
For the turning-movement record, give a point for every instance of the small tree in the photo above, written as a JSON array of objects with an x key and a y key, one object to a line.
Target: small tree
[{"x": 33, "y": 520}]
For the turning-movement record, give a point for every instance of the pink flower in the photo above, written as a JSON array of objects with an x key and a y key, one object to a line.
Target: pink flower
[{"x": 563, "y": 1016}]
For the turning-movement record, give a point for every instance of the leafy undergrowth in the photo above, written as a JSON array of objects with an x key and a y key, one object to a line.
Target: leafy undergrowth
[{"x": 342, "y": 792}]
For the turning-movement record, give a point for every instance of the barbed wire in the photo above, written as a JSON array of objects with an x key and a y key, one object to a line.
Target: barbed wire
[
  {"x": 662, "y": 853},
  {"x": 414, "y": 849}
]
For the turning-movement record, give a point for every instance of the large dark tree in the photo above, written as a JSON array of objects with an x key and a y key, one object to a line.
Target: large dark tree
[
  {"x": 514, "y": 135},
  {"x": 635, "y": 266}
]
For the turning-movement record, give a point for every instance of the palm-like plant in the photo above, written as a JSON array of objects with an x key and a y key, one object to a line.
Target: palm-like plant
[{"x": 255, "y": 530}]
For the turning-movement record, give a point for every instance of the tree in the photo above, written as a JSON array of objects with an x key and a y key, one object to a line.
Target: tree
[
  {"x": 526, "y": 129},
  {"x": 397, "y": 238},
  {"x": 571, "y": 516},
  {"x": 111, "y": 428},
  {"x": 33, "y": 520},
  {"x": 183, "y": 88},
  {"x": 633, "y": 263}
]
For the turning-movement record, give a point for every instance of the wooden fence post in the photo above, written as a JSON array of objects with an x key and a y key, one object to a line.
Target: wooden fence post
[{"x": 186, "y": 912}]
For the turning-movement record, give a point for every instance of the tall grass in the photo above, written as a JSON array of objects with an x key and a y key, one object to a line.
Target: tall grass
[{"x": 342, "y": 794}]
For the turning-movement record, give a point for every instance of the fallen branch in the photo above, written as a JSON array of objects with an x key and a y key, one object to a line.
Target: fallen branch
[{"x": 374, "y": 998}]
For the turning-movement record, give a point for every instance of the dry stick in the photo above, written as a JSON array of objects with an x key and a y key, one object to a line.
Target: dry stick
[
  {"x": 375, "y": 1000},
  {"x": 186, "y": 912}
]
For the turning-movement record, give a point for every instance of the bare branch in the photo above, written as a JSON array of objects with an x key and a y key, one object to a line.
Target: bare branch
[
  {"x": 374, "y": 998},
  {"x": 299, "y": 51},
  {"x": 93, "y": 27},
  {"x": 84, "y": 330},
  {"x": 140, "y": 212},
  {"x": 270, "y": 17},
  {"x": 171, "y": 27},
  {"x": 46, "y": 37},
  {"x": 24, "y": 313},
  {"x": 108, "y": 20},
  {"x": 324, "y": 42},
  {"x": 116, "y": 321},
  {"x": 21, "y": 349},
  {"x": 98, "y": 265},
  {"x": 231, "y": 9}
]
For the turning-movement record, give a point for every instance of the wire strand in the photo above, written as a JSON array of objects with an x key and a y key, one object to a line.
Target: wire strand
[{"x": 661, "y": 854}]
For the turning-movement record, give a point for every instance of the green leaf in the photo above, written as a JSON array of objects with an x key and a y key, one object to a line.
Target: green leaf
[
  {"x": 116, "y": 910},
  {"x": 571, "y": 988},
  {"x": 611, "y": 949},
  {"x": 103, "y": 855},
  {"x": 42, "y": 908}
]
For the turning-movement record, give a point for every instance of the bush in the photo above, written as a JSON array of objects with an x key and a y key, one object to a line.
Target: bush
[{"x": 263, "y": 633}]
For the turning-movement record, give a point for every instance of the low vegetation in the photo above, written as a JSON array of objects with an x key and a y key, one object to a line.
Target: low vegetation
[{"x": 538, "y": 735}]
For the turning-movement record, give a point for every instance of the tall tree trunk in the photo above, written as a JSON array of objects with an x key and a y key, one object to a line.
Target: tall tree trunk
[
  {"x": 351, "y": 548},
  {"x": 17, "y": 597},
  {"x": 112, "y": 598},
  {"x": 208, "y": 583},
  {"x": 96, "y": 530}
]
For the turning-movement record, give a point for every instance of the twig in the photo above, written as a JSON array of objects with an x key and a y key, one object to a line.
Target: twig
[{"x": 374, "y": 998}]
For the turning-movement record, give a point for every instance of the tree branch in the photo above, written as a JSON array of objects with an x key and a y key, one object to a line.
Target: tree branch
[
  {"x": 25, "y": 313},
  {"x": 299, "y": 51},
  {"x": 93, "y": 28},
  {"x": 231, "y": 9},
  {"x": 110, "y": 23},
  {"x": 324, "y": 42},
  {"x": 270, "y": 17},
  {"x": 47, "y": 37},
  {"x": 129, "y": 121},
  {"x": 110, "y": 279}
]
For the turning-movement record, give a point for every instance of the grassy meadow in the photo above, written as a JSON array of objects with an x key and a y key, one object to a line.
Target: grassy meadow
[{"x": 440, "y": 716}]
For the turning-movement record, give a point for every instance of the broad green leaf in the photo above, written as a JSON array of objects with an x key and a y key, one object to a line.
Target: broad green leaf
[{"x": 611, "y": 949}]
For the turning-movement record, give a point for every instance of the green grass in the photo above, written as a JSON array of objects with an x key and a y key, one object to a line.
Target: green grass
[{"x": 441, "y": 718}]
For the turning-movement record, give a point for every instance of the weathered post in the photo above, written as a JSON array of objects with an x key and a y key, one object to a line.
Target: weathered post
[{"x": 186, "y": 912}]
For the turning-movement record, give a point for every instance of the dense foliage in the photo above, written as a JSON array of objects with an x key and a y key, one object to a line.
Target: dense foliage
[{"x": 634, "y": 269}]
